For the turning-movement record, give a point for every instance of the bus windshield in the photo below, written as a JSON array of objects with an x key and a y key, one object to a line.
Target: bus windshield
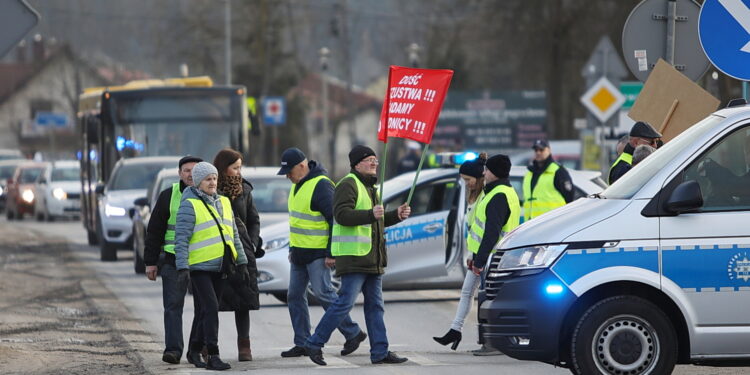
[{"x": 179, "y": 124}]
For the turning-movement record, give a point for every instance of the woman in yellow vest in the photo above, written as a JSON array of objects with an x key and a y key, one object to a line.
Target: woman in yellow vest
[
  {"x": 240, "y": 296},
  {"x": 207, "y": 247},
  {"x": 471, "y": 172}
]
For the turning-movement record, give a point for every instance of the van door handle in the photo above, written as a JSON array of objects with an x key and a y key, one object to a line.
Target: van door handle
[{"x": 430, "y": 228}]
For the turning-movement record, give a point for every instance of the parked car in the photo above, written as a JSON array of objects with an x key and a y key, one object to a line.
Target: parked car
[
  {"x": 130, "y": 180},
  {"x": 7, "y": 168},
  {"x": 22, "y": 190},
  {"x": 10, "y": 154},
  {"x": 59, "y": 189},
  {"x": 270, "y": 193},
  {"x": 425, "y": 251}
]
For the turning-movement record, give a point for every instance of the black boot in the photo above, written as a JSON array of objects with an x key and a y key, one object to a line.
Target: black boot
[
  {"x": 215, "y": 363},
  {"x": 452, "y": 336},
  {"x": 195, "y": 358}
]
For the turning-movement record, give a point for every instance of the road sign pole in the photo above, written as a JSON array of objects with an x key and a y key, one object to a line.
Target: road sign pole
[
  {"x": 744, "y": 90},
  {"x": 671, "y": 19}
]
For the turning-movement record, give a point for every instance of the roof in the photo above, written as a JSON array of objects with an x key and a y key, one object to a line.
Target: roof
[{"x": 150, "y": 160}]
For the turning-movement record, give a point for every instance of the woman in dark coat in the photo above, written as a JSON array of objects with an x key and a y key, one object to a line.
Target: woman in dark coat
[{"x": 241, "y": 296}]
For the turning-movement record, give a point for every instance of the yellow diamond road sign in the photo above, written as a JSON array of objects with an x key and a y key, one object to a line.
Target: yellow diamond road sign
[{"x": 603, "y": 99}]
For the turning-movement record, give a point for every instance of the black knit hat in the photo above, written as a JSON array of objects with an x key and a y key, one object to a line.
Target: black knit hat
[
  {"x": 473, "y": 168},
  {"x": 358, "y": 153},
  {"x": 499, "y": 165}
]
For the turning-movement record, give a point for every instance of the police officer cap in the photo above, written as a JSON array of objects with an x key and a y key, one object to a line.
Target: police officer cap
[
  {"x": 644, "y": 130},
  {"x": 540, "y": 144},
  {"x": 290, "y": 158}
]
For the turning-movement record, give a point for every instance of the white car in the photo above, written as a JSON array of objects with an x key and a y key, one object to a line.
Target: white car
[
  {"x": 59, "y": 189},
  {"x": 129, "y": 180},
  {"x": 426, "y": 251}
]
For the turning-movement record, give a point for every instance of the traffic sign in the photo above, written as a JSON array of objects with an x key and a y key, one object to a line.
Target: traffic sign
[
  {"x": 630, "y": 90},
  {"x": 603, "y": 99},
  {"x": 16, "y": 19},
  {"x": 274, "y": 111},
  {"x": 647, "y": 32},
  {"x": 724, "y": 30},
  {"x": 51, "y": 119}
]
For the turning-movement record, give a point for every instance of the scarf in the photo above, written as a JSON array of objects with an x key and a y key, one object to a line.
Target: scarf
[{"x": 231, "y": 186}]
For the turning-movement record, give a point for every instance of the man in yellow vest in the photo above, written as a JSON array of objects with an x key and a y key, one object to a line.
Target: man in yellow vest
[
  {"x": 159, "y": 250},
  {"x": 358, "y": 244},
  {"x": 310, "y": 221},
  {"x": 547, "y": 184},
  {"x": 642, "y": 133}
]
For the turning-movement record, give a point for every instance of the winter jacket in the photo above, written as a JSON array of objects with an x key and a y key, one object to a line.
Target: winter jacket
[
  {"x": 241, "y": 295},
  {"x": 344, "y": 201},
  {"x": 498, "y": 212},
  {"x": 322, "y": 201},
  {"x": 562, "y": 181},
  {"x": 157, "y": 227},
  {"x": 184, "y": 230}
]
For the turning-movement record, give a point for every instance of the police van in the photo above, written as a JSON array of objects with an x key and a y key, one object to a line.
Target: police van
[{"x": 653, "y": 271}]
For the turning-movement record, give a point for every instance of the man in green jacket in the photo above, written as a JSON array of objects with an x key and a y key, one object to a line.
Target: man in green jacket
[{"x": 358, "y": 244}]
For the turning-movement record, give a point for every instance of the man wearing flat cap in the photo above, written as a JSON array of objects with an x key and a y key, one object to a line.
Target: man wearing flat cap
[
  {"x": 358, "y": 243},
  {"x": 310, "y": 221},
  {"x": 642, "y": 133},
  {"x": 547, "y": 184}
]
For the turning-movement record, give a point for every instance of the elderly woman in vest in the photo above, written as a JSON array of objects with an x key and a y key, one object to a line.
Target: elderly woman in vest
[
  {"x": 206, "y": 245},
  {"x": 471, "y": 172},
  {"x": 240, "y": 295}
]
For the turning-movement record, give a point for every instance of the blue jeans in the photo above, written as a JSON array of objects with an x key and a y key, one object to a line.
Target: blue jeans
[
  {"x": 173, "y": 298},
  {"x": 319, "y": 277},
  {"x": 371, "y": 287}
]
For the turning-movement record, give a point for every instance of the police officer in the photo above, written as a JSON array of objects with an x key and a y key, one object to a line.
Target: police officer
[
  {"x": 160, "y": 237},
  {"x": 498, "y": 213},
  {"x": 642, "y": 133},
  {"x": 358, "y": 243},
  {"x": 310, "y": 220},
  {"x": 547, "y": 184}
]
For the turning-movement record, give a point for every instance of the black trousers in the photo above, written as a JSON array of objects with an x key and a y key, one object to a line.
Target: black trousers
[{"x": 207, "y": 289}]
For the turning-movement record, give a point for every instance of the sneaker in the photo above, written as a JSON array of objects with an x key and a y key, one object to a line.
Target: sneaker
[
  {"x": 390, "y": 358},
  {"x": 296, "y": 351},
  {"x": 171, "y": 357},
  {"x": 316, "y": 355},
  {"x": 485, "y": 351},
  {"x": 351, "y": 345}
]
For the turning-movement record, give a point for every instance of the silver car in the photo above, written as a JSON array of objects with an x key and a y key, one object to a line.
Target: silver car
[
  {"x": 59, "y": 191},
  {"x": 426, "y": 251}
]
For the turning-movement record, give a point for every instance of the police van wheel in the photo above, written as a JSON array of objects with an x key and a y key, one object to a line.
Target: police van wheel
[{"x": 624, "y": 335}]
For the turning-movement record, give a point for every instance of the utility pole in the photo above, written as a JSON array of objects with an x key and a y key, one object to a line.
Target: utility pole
[
  {"x": 324, "y": 52},
  {"x": 228, "y": 41}
]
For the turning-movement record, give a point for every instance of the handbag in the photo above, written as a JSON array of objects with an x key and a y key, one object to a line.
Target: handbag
[{"x": 228, "y": 266}]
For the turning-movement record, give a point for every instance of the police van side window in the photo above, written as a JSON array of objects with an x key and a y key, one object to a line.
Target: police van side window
[
  {"x": 723, "y": 173},
  {"x": 428, "y": 198}
]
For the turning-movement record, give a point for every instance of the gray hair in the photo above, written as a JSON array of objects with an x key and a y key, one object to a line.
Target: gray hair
[{"x": 641, "y": 152}]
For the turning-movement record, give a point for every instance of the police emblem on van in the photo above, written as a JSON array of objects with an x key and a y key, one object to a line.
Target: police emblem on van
[{"x": 739, "y": 268}]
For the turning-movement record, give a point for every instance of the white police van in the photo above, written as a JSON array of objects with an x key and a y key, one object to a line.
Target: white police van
[{"x": 653, "y": 271}]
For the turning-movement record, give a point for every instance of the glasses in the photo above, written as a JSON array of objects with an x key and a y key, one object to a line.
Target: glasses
[{"x": 371, "y": 161}]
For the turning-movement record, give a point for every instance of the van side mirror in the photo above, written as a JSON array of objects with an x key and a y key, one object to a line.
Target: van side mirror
[
  {"x": 99, "y": 189},
  {"x": 685, "y": 197}
]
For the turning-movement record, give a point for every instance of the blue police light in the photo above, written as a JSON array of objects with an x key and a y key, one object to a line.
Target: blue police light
[
  {"x": 553, "y": 289},
  {"x": 466, "y": 156},
  {"x": 120, "y": 143}
]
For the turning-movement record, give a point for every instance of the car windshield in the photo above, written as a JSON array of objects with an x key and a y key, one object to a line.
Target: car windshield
[
  {"x": 6, "y": 172},
  {"x": 632, "y": 182},
  {"x": 65, "y": 174},
  {"x": 167, "y": 182},
  {"x": 270, "y": 194},
  {"x": 137, "y": 175},
  {"x": 29, "y": 175}
]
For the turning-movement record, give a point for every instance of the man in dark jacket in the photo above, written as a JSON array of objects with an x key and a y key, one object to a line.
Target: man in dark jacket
[
  {"x": 642, "y": 133},
  {"x": 547, "y": 185},
  {"x": 358, "y": 244},
  {"x": 310, "y": 223},
  {"x": 160, "y": 244}
]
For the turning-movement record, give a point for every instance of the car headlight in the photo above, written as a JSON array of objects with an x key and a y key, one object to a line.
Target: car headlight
[
  {"x": 276, "y": 244},
  {"x": 27, "y": 196},
  {"x": 1, "y": 190},
  {"x": 110, "y": 210},
  {"x": 541, "y": 256},
  {"x": 59, "y": 194}
]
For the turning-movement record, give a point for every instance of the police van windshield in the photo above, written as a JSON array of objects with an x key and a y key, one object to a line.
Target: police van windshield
[{"x": 632, "y": 182}]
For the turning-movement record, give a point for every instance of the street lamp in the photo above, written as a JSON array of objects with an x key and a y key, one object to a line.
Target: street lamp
[
  {"x": 413, "y": 51},
  {"x": 324, "y": 52}
]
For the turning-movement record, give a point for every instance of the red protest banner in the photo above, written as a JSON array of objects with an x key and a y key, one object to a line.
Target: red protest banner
[{"x": 413, "y": 102}]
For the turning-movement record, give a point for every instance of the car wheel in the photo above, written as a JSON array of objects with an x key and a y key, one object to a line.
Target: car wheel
[
  {"x": 39, "y": 216},
  {"x": 624, "y": 335},
  {"x": 108, "y": 251},
  {"x": 93, "y": 240},
  {"x": 281, "y": 296},
  {"x": 138, "y": 264},
  {"x": 9, "y": 214}
]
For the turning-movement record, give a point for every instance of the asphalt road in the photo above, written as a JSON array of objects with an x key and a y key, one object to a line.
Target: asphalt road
[{"x": 412, "y": 318}]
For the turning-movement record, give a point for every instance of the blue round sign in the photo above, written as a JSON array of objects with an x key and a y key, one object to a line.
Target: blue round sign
[{"x": 724, "y": 29}]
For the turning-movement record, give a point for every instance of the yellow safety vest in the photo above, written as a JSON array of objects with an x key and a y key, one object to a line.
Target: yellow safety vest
[
  {"x": 544, "y": 197},
  {"x": 356, "y": 240},
  {"x": 307, "y": 228},
  {"x": 206, "y": 242},
  {"x": 174, "y": 205},
  {"x": 476, "y": 231},
  {"x": 628, "y": 158}
]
